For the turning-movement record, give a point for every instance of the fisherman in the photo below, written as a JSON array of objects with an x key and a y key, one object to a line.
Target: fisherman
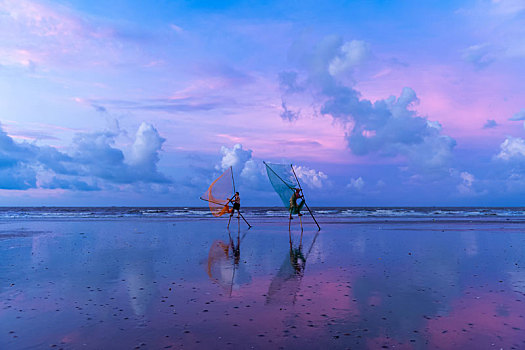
[
  {"x": 236, "y": 200},
  {"x": 294, "y": 208}
]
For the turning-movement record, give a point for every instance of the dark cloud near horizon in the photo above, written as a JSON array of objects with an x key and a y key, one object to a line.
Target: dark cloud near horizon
[
  {"x": 76, "y": 185},
  {"x": 15, "y": 159},
  {"x": 93, "y": 157}
]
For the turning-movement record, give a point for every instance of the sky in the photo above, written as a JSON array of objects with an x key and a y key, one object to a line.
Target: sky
[{"x": 376, "y": 103}]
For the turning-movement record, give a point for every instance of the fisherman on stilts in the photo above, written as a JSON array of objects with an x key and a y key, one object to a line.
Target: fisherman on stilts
[
  {"x": 286, "y": 183},
  {"x": 294, "y": 207},
  {"x": 217, "y": 196},
  {"x": 236, "y": 201}
]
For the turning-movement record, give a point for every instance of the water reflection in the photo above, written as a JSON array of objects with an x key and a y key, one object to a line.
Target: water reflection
[
  {"x": 287, "y": 282},
  {"x": 148, "y": 283},
  {"x": 223, "y": 265}
]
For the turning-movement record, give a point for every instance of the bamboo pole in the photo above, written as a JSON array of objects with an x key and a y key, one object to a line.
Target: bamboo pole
[{"x": 249, "y": 226}]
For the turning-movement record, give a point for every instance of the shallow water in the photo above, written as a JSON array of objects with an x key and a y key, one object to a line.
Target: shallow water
[{"x": 189, "y": 283}]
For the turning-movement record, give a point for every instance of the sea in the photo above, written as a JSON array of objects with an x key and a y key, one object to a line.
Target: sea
[
  {"x": 179, "y": 278},
  {"x": 337, "y": 214}
]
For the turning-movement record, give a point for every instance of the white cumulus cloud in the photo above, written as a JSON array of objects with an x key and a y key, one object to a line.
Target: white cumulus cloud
[
  {"x": 245, "y": 168},
  {"x": 310, "y": 177},
  {"x": 356, "y": 184},
  {"x": 92, "y": 160},
  {"x": 512, "y": 147},
  {"x": 146, "y": 147},
  {"x": 235, "y": 157},
  {"x": 467, "y": 180},
  {"x": 352, "y": 53}
]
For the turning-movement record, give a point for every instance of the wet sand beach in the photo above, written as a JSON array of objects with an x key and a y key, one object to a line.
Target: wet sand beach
[{"x": 153, "y": 283}]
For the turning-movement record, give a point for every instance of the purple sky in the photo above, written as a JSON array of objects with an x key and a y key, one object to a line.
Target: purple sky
[{"x": 376, "y": 103}]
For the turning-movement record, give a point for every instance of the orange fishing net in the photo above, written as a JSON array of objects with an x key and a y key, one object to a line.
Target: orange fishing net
[{"x": 218, "y": 194}]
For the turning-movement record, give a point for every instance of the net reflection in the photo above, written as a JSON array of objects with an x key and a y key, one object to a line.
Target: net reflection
[
  {"x": 287, "y": 282},
  {"x": 223, "y": 265}
]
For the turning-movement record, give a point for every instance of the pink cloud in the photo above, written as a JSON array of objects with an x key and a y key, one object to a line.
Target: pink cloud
[
  {"x": 462, "y": 100},
  {"x": 52, "y": 36},
  {"x": 41, "y": 20}
]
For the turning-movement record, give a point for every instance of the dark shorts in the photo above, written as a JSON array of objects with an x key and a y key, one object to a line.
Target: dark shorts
[{"x": 236, "y": 206}]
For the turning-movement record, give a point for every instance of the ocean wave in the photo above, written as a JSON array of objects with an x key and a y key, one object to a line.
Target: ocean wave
[{"x": 13, "y": 213}]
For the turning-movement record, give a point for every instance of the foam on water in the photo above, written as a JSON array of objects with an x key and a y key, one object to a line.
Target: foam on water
[{"x": 366, "y": 213}]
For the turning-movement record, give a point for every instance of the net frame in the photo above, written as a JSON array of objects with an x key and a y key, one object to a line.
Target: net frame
[{"x": 219, "y": 193}]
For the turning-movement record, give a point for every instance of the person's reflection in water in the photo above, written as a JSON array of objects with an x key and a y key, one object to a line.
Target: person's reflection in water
[
  {"x": 236, "y": 249},
  {"x": 224, "y": 266},
  {"x": 297, "y": 258},
  {"x": 285, "y": 285}
]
